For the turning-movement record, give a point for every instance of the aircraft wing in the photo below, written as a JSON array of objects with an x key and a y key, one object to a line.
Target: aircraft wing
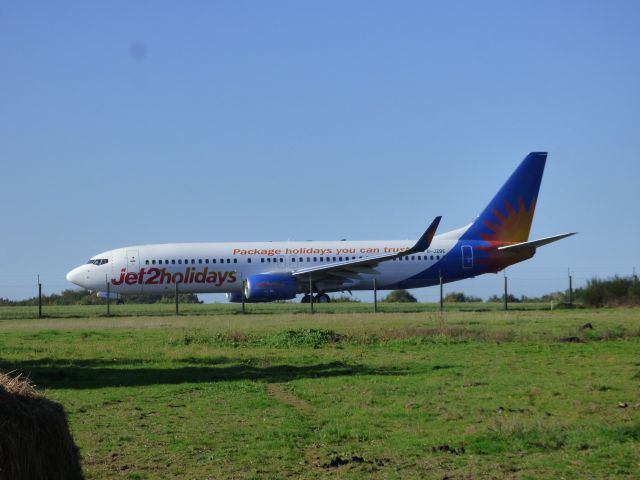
[
  {"x": 341, "y": 271},
  {"x": 517, "y": 247}
]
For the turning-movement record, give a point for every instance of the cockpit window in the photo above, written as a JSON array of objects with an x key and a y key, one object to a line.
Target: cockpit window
[{"x": 98, "y": 261}]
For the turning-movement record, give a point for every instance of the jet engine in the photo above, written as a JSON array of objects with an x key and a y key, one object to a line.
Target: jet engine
[{"x": 267, "y": 287}]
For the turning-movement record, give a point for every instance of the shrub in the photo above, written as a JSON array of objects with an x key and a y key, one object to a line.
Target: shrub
[
  {"x": 614, "y": 291},
  {"x": 460, "y": 297},
  {"x": 400, "y": 296}
]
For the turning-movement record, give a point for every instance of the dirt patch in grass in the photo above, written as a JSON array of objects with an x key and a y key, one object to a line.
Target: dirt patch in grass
[
  {"x": 340, "y": 460},
  {"x": 279, "y": 392}
]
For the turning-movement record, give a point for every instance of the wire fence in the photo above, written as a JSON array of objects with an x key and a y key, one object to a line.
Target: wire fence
[{"x": 531, "y": 283}]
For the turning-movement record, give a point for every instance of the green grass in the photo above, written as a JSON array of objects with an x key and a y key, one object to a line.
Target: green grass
[
  {"x": 278, "y": 308},
  {"x": 340, "y": 394}
]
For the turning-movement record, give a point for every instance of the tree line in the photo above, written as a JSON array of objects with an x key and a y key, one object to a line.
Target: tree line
[
  {"x": 615, "y": 291},
  {"x": 611, "y": 292},
  {"x": 84, "y": 297}
]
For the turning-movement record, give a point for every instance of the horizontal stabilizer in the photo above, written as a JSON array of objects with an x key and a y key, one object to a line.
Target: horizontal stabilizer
[{"x": 517, "y": 247}]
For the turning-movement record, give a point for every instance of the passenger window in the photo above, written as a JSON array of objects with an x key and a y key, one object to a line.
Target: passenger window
[
  {"x": 146, "y": 262},
  {"x": 180, "y": 261},
  {"x": 293, "y": 259},
  {"x": 431, "y": 257},
  {"x": 235, "y": 260},
  {"x": 262, "y": 260},
  {"x": 248, "y": 260},
  {"x": 153, "y": 262},
  {"x": 193, "y": 261},
  {"x": 173, "y": 262},
  {"x": 315, "y": 259},
  {"x": 200, "y": 260},
  {"x": 206, "y": 260},
  {"x": 213, "y": 260},
  {"x": 281, "y": 260},
  {"x": 340, "y": 258},
  {"x": 334, "y": 259}
]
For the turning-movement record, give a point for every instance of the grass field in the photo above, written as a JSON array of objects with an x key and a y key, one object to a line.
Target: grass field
[
  {"x": 277, "y": 308},
  {"x": 340, "y": 394}
]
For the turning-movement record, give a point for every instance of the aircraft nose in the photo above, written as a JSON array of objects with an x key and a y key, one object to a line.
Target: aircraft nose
[{"x": 75, "y": 276}]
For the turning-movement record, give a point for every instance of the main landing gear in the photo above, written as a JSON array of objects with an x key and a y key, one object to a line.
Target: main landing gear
[{"x": 319, "y": 298}]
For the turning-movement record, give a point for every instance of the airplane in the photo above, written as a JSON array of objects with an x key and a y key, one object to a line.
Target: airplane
[{"x": 270, "y": 271}]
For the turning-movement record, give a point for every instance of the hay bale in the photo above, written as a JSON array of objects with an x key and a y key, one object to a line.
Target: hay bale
[{"x": 35, "y": 442}]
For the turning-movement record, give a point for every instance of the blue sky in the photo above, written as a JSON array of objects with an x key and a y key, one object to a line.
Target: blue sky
[{"x": 144, "y": 122}]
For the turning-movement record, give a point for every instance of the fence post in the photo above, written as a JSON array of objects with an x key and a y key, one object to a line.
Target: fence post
[
  {"x": 441, "y": 299},
  {"x": 108, "y": 296},
  {"x": 39, "y": 298},
  {"x": 506, "y": 305},
  {"x": 177, "y": 310},
  {"x": 311, "y": 293},
  {"x": 570, "y": 288},
  {"x": 244, "y": 282},
  {"x": 375, "y": 297}
]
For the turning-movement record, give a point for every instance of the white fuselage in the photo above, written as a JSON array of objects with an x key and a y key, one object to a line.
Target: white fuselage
[
  {"x": 221, "y": 267},
  {"x": 270, "y": 271}
]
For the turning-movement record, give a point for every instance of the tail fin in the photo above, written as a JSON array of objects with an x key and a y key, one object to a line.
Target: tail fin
[{"x": 507, "y": 218}]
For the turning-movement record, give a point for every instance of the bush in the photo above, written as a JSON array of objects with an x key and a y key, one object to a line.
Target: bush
[
  {"x": 612, "y": 292},
  {"x": 460, "y": 297},
  {"x": 305, "y": 337},
  {"x": 500, "y": 298},
  {"x": 400, "y": 296},
  {"x": 344, "y": 299}
]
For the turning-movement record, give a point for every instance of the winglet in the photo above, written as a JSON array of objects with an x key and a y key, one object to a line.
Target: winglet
[{"x": 425, "y": 240}]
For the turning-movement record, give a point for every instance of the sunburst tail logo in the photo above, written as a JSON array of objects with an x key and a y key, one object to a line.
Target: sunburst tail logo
[{"x": 507, "y": 219}]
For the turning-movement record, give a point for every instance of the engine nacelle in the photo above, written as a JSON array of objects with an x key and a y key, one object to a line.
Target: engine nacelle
[
  {"x": 267, "y": 287},
  {"x": 111, "y": 295},
  {"x": 234, "y": 297}
]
